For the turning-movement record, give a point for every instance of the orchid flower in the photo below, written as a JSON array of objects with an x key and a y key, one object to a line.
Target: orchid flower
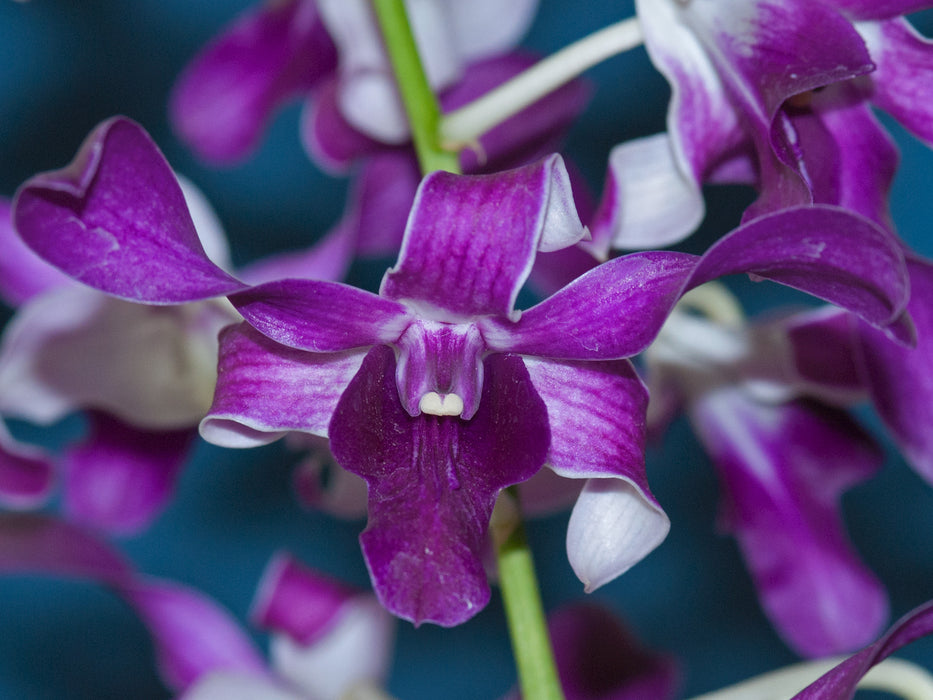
[
  {"x": 437, "y": 391},
  {"x": 145, "y": 377},
  {"x": 749, "y": 106}
]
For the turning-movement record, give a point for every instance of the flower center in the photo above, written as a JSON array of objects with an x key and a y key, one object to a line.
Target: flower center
[{"x": 441, "y": 404}]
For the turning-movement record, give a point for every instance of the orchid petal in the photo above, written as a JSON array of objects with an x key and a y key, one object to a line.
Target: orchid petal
[
  {"x": 486, "y": 27},
  {"x": 824, "y": 251},
  {"x": 877, "y": 9},
  {"x": 193, "y": 635},
  {"x": 783, "y": 468},
  {"x": 320, "y": 316},
  {"x": 116, "y": 219},
  {"x": 228, "y": 93},
  {"x": 471, "y": 240},
  {"x": 648, "y": 202},
  {"x": 26, "y": 473},
  {"x": 840, "y": 683},
  {"x": 328, "y": 138},
  {"x": 613, "y": 526},
  {"x": 825, "y": 349},
  {"x": 427, "y": 529},
  {"x": 328, "y": 259},
  {"x": 120, "y": 478},
  {"x": 265, "y": 389},
  {"x": 322, "y": 484},
  {"x": 23, "y": 274},
  {"x": 75, "y": 347},
  {"x": 599, "y": 659},
  {"x": 901, "y": 85},
  {"x": 900, "y": 379}
]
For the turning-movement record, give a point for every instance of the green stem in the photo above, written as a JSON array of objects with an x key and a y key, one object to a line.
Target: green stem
[
  {"x": 420, "y": 102},
  {"x": 531, "y": 644}
]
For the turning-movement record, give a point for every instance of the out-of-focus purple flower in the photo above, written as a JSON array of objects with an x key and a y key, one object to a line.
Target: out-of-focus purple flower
[
  {"x": 437, "y": 391},
  {"x": 773, "y": 93}
]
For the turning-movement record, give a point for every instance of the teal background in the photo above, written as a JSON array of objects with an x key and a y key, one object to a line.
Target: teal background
[{"x": 65, "y": 66}]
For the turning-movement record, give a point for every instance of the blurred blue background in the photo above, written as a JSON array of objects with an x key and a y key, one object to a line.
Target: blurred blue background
[{"x": 65, "y": 66}]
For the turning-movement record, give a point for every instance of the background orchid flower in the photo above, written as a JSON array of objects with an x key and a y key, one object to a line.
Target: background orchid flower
[{"x": 742, "y": 74}]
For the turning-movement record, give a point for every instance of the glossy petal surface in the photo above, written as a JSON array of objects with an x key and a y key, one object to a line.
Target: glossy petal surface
[
  {"x": 433, "y": 482},
  {"x": 116, "y": 219}
]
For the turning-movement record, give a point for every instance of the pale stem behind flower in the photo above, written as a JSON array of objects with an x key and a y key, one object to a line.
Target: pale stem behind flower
[
  {"x": 895, "y": 676},
  {"x": 420, "y": 102},
  {"x": 463, "y": 126}
]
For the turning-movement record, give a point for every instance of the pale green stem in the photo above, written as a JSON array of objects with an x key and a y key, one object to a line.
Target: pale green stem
[
  {"x": 462, "y": 127},
  {"x": 895, "y": 676},
  {"x": 531, "y": 644},
  {"x": 419, "y": 100}
]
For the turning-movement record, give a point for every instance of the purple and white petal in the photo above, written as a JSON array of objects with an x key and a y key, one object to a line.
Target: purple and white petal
[
  {"x": 598, "y": 658},
  {"x": 900, "y": 380},
  {"x": 840, "y": 683},
  {"x": 877, "y": 9},
  {"x": 320, "y": 316},
  {"x": 783, "y": 468},
  {"x": 265, "y": 389},
  {"x": 120, "y": 478},
  {"x": 23, "y": 274},
  {"x": 75, "y": 347},
  {"x": 902, "y": 85},
  {"x": 323, "y": 485},
  {"x": 116, "y": 219},
  {"x": 227, "y": 95},
  {"x": 433, "y": 481},
  {"x": 825, "y": 251},
  {"x": 235, "y": 685},
  {"x": 471, "y": 240},
  {"x": 648, "y": 201},
  {"x": 26, "y": 473}
]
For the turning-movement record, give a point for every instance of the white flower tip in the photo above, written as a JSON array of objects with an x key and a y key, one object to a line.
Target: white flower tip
[{"x": 435, "y": 404}]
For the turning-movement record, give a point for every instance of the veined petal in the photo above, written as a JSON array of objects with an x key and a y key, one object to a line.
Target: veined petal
[
  {"x": 225, "y": 97},
  {"x": 120, "y": 478},
  {"x": 23, "y": 274},
  {"x": 26, "y": 473},
  {"x": 783, "y": 468},
  {"x": 75, "y": 347},
  {"x": 840, "y": 682},
  {"x": 471, "y": 240},
  {"x": 902, "y": 85},
  {"x": 433, "y": 481},
  {"x": 617, "y": 309},
  {"x": 116, "y": 219},
  {"x": 900, "y": 379},
  {"x": 648, "y": 201},
  {"x": 265, "y": 389},
  {"x": 320, "y": 316}
]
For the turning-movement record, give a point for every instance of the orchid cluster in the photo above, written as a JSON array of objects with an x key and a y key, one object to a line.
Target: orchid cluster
[{"x": 537, "y": 330}]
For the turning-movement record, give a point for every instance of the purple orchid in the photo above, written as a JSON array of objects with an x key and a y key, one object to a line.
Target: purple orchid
[
  {"x": 773, "y": 93},
  {"x": 437, "y": 391}
]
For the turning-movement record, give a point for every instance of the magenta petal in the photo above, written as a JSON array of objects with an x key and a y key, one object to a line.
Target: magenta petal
[
  {"x": 121, "y": 477},
  {"x": 840, "y": 682},
  {"x": 265, "y": 389},
  {"x": 227, "y": 94},
  {"x": 901, "y": 379},
  {"x": 783, "y": 469},
  {"x": 22, "y": 273},
  {"x": 433, "y": 482},
  {"x": 193, "y": 635},
  {"x": 116, "y": 219},
  {"x": 297, "y": 600},
  {"x": 878, "y": 9},
  {"x": 903, "y": 83},
  {"x": 825, "y": 349},
  {"x": 471, "y": 240},
  {"x": 320, "y": 316},
  {"x": 26, "y": 473},
  {"x": 599, "y": 659}
]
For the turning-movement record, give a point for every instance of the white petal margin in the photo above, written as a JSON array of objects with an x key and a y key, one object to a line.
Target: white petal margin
[
  {"x": 612, "y": 527},
  {"x": 236, "y": 686},
  {"x": 561, "y": 226},
  {"x": 356, "y": 651},
  {"x": 206, "y": 223},
  {"x": 650, "y": 202},
  {"x": 153, "y": 367}
]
